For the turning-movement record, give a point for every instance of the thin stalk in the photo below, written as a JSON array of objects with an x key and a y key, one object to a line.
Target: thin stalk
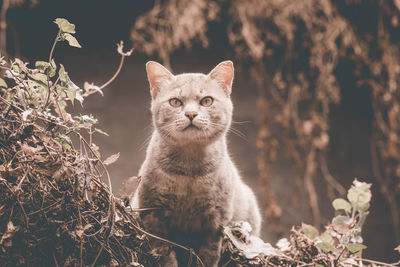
[{"x": 48, "y": 70}]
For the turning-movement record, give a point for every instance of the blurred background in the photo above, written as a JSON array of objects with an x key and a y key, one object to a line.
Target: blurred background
[{"x": 316, "y": 91}]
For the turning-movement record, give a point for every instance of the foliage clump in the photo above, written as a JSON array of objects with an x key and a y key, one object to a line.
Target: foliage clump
[
  {"x": 340, "y": 244},
  {"x": 55, "y": 208}
]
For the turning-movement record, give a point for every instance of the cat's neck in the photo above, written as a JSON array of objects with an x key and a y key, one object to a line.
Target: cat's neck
[
  {"x": 190, "y": 149},
  {"x": 191, "y": 159}
]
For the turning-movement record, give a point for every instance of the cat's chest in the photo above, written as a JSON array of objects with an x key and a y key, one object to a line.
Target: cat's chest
[
  {"x": 188, "y": 191},
  {"x": 193, "y": 203}
]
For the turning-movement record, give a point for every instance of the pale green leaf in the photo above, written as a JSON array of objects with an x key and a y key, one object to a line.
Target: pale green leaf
[
  {"x": 356, "y": 248},
  {"x": 359, "y": 195},
  {"x": 309, "y": 230},
  {"x": 71, "y": 93},
  {"x": 325, "y": 247},
  {"x": 63, "y": 75},
  {"x": 78, "y": 91},
  {"x": 341, "y": 204},
  {"x": 341, "y": 224},
  {"x": 3, "y": 83},
  {"x": 72, "y": 40},
  {"x": 62, "y": 104},
  {"x": 65, "y": 25},
  {"x": 39, "y": 77},
  {"x": 326, "y": 237},
  {"x": 53, "y": 68},
  {"x": 91, "y": 87},
  {"x": 111, "y": 159},
  {"x": 42, "y": 65}
]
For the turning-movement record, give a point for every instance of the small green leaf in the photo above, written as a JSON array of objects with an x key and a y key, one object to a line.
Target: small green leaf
[
  {"x": 326, "y": 237},
  {"x": 71, "y": 40},
  {"x": 63, "y": 75},
  {"x": 318, "y": 265},
  {"x": 42, "y": 65},
  {"x": 3, "y": 83},
  {"x": 341, "y": 224},
  {"x": 341, "y": 204},
  {"x": 359, "y": 195},
  {"x": 91, "y": 87},
  {"x": 78, "y": 91},
  {"x": 111, "y": 159},
  {"x": 62, "y": 104},
  {"x": 309, "y": 230},
  {"x": 53, "y": 68},
  {"x": 71, "y": 93},
  {"x": 65, "y": 25},
  {"x": 356, "y": 248},
  {"x": 326, "y": 247},
  {"x": 39, "y": 77}
]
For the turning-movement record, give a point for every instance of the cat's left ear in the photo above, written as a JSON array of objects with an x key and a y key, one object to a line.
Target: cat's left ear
[
  {"x": 223, "y": 74},
  {"x": 157, "y": 74}
]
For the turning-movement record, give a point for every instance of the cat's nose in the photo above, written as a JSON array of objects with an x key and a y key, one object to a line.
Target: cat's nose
[{"x": 190, "y": 114}]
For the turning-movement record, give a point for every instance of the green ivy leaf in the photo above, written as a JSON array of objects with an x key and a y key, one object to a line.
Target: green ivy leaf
[
  {"x": 360, "y": 195},
  {"x": 341, "y": 224},
  {"x": 42, "y": 65},
  {"x": 78, "y": 91},
  {"x": 71, "y": 40},
  {"x": 326, "y": 237},
  {"x": 39, "y": 77},
  {"x": 62, "y": 104},
  {"x": 53, "y": 68},
  {"x": 71, "y": 93},
  {"x": 326, "y": 247},
  {"x": 341, "y": 204},
  {"x": 356, "y": 248},
  {"x": 63, "y": 75},
  {"x": 3, "y": 83},
  {"x": 309, "y": 230},
  {"x": 90, "y": 86},
  {"x": 65, "y": 25}
]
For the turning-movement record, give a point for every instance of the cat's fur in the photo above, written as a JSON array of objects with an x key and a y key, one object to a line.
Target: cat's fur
[{"x": 188, "y": 174}]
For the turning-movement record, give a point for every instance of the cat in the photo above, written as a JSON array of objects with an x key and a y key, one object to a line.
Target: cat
[{"x": 188, "y": 178}]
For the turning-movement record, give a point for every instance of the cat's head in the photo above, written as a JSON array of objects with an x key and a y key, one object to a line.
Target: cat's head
[{"x": 192, "y": 107}]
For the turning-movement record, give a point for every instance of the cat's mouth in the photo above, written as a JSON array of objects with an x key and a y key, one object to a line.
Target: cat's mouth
[{"x": 191, "y": 126}]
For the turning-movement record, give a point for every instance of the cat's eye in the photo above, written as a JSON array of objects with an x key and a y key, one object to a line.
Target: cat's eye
[
  {"x": 175, "y": 102},
  {"x": 206, "y": 101}
]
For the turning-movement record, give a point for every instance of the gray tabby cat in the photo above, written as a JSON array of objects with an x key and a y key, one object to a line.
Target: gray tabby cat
[{"x": 188, "y": 174}]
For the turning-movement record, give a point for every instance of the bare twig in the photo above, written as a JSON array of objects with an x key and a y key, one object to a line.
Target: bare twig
[{"x": 123, "y": 54}]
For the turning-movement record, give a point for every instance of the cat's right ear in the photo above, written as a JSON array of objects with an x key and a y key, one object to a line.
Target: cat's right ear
[{"x": 157, "y": 75}]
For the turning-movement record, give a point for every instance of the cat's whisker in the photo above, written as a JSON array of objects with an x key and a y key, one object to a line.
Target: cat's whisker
[
  {"x": 241, "y": 122},
  {"x": 146, "y": 142},
  {"x": 148, "y": 138},
  {"x": 232, "y": 130}
]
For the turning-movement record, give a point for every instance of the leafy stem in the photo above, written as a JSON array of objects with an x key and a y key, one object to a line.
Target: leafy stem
[{"x": 48, "y": 68}]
